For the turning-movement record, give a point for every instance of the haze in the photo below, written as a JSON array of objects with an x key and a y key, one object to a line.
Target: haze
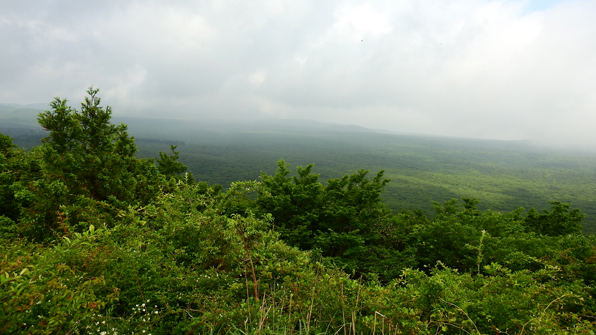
[{"x": 469, "y": 68}]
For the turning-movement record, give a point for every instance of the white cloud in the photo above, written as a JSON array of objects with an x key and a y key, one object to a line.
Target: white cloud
[
  {"x": 256, "y": 78},
  {"x": 497, "y": 69}
]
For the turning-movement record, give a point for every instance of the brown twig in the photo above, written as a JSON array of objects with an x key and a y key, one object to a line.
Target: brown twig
[
  {"x": 62, "y": 223},
  {"x": 254, "y": 276},
  {"x": 138, "y": 283}
]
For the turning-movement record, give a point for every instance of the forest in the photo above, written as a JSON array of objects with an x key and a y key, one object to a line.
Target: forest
[{"x": 100, "y": 236}]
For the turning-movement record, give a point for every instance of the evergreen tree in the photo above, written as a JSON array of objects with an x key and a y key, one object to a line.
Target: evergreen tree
[{"x": 88, "y": 171}]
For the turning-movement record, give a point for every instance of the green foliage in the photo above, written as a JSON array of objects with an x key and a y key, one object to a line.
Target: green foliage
[
  {"x": 90, "y": 156},
  {"x": 52, "y": 289},
  {"x": 85, "y": 171},
  {"x": 95, "y": 240},
  {"x": 6, "y": 145},
  {"x": 345, "y": 220},
  {"x": 558, "y": 221},
  {"x": 505, "y": 175},
  {"x": 169, "y": 165},
  {"x": 295, "y": 203},
  {"x": 17, "y": 169}
]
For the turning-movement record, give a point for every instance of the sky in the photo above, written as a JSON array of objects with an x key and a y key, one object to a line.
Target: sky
[{"x": 508, "y": 69}]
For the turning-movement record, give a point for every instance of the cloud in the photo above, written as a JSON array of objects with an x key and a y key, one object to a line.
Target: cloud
[{"x": 474, "y": 68}]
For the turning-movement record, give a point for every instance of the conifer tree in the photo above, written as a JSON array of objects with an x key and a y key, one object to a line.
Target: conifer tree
[{"x": 88, "y": 171}]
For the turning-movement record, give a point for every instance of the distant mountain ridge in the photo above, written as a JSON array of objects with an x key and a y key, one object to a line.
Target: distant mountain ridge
[
  {"x": 40, "y": 105},
  {"x": 26, "y": 115}
]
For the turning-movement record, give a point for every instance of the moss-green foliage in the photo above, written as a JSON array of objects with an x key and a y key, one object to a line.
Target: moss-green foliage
[
  {"x": 85, "y": 172},
  {"x": 345, "y": 220},
  {"x": 155, "y": 254},
  {"x": 505, "y": 175}
]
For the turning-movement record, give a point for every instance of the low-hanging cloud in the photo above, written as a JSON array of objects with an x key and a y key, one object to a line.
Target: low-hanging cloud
[{"x": 488, "y": 69}]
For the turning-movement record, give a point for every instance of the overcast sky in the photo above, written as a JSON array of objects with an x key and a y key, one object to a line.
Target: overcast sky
[{"x": 471, "y": 68}]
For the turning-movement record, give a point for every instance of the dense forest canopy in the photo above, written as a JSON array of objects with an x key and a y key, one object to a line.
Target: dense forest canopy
[{"x": 95, "y": 239}]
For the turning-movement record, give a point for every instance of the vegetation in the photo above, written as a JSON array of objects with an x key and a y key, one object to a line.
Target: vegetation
[
  {"x": 504, "y": 175},
  {"x": 95, "y": 240}
]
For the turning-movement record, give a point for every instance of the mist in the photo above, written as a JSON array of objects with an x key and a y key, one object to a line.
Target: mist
[{"x": 508, "y": 70}]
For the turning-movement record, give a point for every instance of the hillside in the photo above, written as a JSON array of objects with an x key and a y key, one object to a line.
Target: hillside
[{"x": 503, "y": 175}]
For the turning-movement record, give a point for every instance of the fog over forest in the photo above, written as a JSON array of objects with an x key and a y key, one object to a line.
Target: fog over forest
[{"x": 510, "y": 70}]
